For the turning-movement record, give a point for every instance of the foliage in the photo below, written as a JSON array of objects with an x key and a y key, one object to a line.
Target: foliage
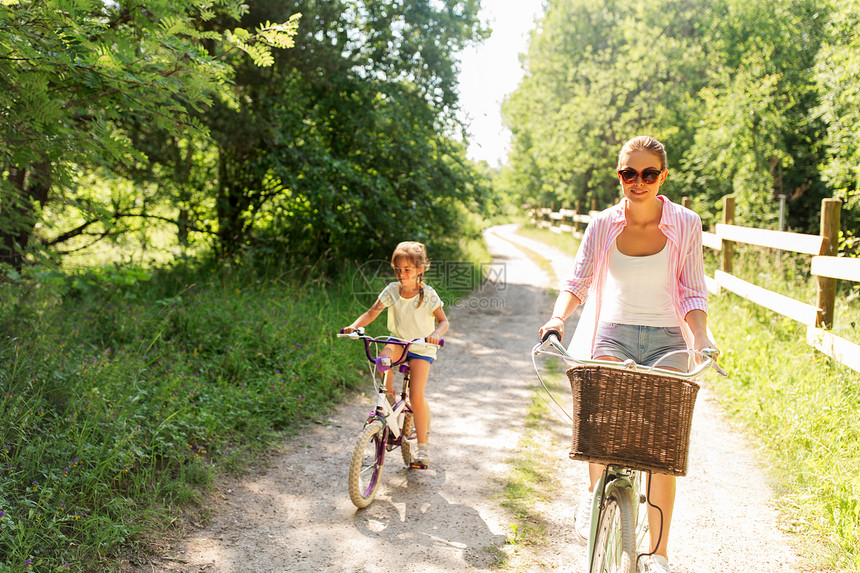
[
  {"x": 134, "y": 391},
  {"x": 597, "y": 73},
  {"x": 741, "y": 92},
  {"x": 73, "y": 72},
  {"x": 756, "y": 138},
  {"x": 836, "y": 79},
  {"x": 344, "y": 146},
  {"x": 338, "y": 147}
]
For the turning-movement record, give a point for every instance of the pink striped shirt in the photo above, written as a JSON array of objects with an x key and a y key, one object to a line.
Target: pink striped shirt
[{"x": 683, "y": 229}]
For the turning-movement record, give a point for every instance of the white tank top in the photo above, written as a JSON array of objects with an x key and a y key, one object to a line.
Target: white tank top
[{"x": 637, "y": 290}]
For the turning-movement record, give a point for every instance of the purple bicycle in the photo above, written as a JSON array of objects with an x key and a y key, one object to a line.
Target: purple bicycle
[{"x": 387, "y": 427}]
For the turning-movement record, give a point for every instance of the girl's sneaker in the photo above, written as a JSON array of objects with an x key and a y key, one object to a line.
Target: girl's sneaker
[{"x": 421, "y": 457}]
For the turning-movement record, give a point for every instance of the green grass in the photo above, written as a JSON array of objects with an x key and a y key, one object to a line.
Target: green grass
[
  {"x": 124, "y": 392},
  {"x": 801, "y": 406},
  {"x": 529, "y": 477},
  {"x": 804, "y": 409}
]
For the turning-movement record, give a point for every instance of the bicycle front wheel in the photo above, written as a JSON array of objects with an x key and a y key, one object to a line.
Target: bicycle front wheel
[
  {"x": 365, "y": 467},
  {"x": 615, "y": 547}
]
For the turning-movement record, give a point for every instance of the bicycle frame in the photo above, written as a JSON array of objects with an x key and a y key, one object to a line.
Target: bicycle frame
[
  {"x": 391, "y": 416},
  {"x": 619, "y": 480}
]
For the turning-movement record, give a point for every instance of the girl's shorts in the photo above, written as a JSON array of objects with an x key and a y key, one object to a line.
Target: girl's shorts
[
  {"x": 643, "y": 344},
  {"x": 412, "y": 355}
]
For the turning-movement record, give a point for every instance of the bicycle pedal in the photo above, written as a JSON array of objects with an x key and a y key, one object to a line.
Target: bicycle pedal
[{"x": 418, "y": 466}]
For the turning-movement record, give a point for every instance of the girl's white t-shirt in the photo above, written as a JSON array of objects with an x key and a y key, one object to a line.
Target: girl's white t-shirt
[{"x": 408, "y": 320}]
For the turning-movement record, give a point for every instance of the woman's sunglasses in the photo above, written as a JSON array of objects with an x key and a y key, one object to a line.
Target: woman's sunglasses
[{"x": 649, "y": 175}]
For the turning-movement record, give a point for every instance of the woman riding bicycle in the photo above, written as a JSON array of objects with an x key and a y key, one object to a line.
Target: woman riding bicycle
[{"x": 639, "y": 269}]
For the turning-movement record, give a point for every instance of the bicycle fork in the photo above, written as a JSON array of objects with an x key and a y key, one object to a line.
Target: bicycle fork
[
  {"x": 611, "y": 482},
  {"x": 392, "y": 416}
]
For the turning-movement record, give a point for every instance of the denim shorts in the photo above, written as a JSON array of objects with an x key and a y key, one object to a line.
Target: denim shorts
[
  {"x": 412, "y": 355},
  {"x": 644, "y": 344}
]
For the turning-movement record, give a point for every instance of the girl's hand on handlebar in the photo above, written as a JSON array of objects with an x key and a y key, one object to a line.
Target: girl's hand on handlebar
[
  {"x": 555, "y": 323},
  {"x": 433, "y": 339}
]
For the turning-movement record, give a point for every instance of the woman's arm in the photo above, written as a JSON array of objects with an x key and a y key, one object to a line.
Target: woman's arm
[
  {"x": 565, "y": 304},
  {"x": 697, "y": 320},
  {"x": 692, "y": 288}
]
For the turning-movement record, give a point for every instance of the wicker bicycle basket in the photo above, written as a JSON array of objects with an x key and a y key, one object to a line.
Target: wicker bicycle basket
[{"x": 635, "y": 419}]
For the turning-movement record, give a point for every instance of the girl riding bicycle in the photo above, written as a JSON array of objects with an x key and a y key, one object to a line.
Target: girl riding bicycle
[
  {"x": 640, "y": 267},
  {"x": 414, "y": 311}
]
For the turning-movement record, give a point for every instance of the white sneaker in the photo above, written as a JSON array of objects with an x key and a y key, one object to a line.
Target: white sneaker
[
  {"x": 582, "y": 525},
  {"x": 421, "y": 457},
  {"x": 654, "y": 564}
]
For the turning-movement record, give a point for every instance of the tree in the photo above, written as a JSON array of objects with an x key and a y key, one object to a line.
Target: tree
[
  {"x": 838, "y": 87},
  {"x": 598, "y": 73},
  {"x": 756, "y": 136},
  {"x": 72, "y": 72},
  {"x": 727, "y": 85},
  {"x": 343, "y": 145}
]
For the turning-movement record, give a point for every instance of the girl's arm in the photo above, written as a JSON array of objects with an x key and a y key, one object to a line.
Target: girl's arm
[
  {"x": 366, "y": 318},
  {"x": 441, "y": 326}
]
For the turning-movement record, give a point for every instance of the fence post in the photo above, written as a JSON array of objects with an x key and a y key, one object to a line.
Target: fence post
[
  {"x": 685, "y": 202},
  {"x": 577, "y": 207},
  {"x": 830, "y": 219},
  {"x": 728, "y": 250}
]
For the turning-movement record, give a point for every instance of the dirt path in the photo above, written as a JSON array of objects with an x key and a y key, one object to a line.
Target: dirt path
[{"x": 297, "y": 516}]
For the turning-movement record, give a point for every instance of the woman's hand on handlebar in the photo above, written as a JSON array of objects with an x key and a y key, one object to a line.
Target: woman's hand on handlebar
[
  {"x": 703, "y": 343},
  {"x": 554, "y": 323}
]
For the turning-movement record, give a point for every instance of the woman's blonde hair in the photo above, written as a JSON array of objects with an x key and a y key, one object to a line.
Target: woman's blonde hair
[
  {"x": 644, "y": 143},
  {"x": 415, "y": 253}
]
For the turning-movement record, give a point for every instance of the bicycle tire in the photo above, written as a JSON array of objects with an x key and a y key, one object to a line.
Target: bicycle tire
[
  {"x": 365, "y": 467},
  {"x": 406, "y": 431},
  {"x": 615, "y": 546}
]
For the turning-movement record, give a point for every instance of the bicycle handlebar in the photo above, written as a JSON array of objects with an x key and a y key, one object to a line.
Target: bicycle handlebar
[
  {"x": 358, "y": 334},
  {"x": 551, "y": 341}
]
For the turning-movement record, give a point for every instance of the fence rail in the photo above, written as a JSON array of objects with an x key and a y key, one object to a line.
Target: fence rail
[{"x": 825, "y": 267}]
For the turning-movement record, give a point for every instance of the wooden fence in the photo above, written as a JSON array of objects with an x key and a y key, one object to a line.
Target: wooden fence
[{"x": 826, "y": 268}]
